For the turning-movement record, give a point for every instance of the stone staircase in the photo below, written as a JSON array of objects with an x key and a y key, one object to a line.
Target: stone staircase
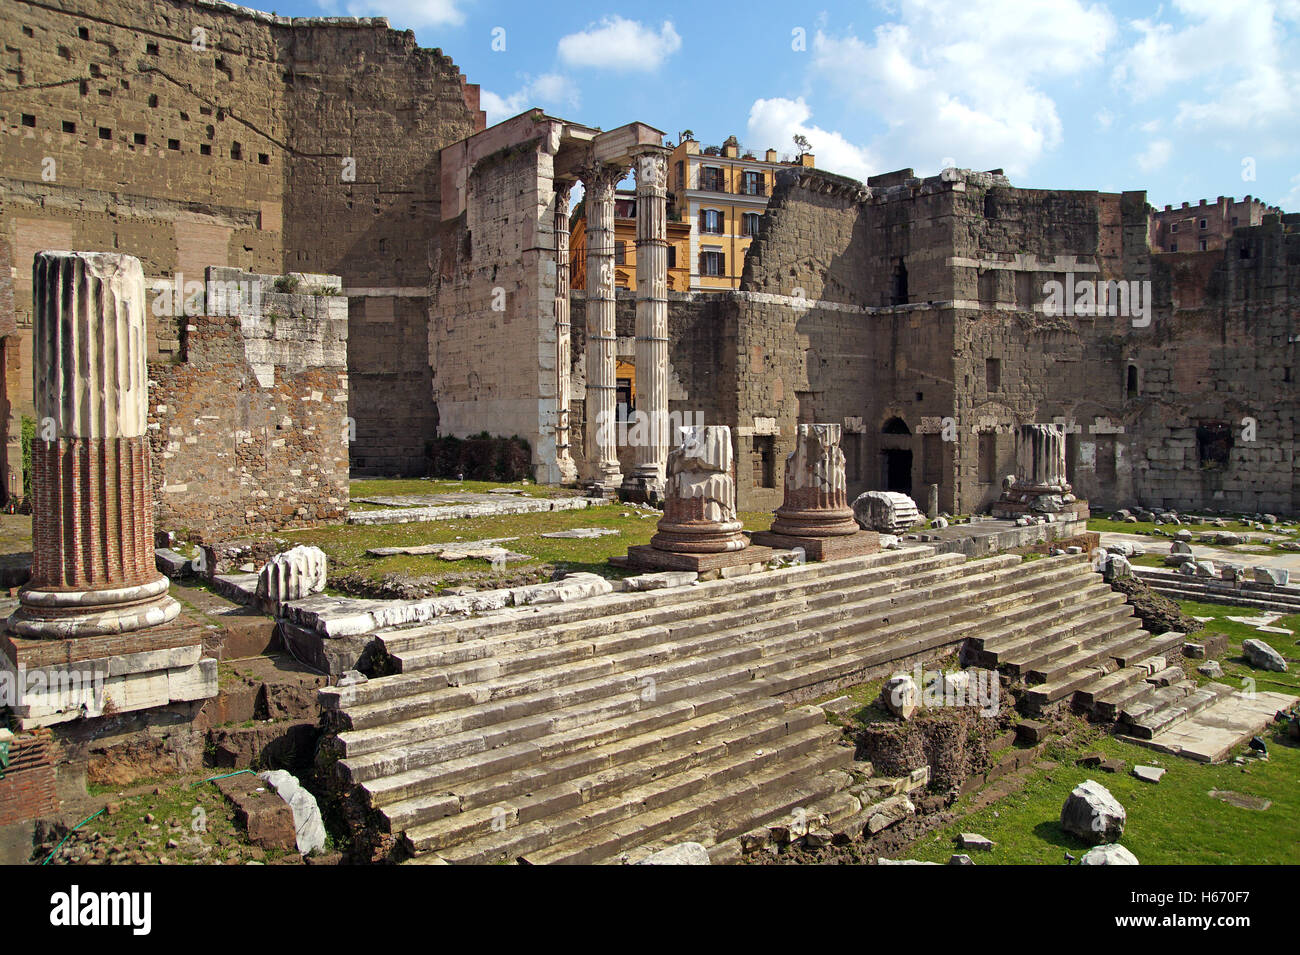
[
  {"x": 1248, "y": 593},
  {"x": 577, "y": 732}
]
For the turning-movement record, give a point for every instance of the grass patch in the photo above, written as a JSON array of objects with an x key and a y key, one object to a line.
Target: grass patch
[
  {"x": 1235, "y": 668},
  {"x": 1174, "y": 822}
]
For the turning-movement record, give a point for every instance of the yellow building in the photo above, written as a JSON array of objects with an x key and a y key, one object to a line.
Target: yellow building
[
  {"x": 722, "y": 195},
  {"x": 679, "y": 245}
]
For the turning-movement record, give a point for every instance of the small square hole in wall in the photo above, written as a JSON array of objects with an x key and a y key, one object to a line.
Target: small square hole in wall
[
  {"x": 263, "y": 159},
  {"x": 83, "y": 33},
  {"x": 28, "y": 31},
  {"x": 105, "y": 133},
  {"x": 205, "y": 149},
  {"x": 173, "y": 144},
  {"x": 236, "y": 151},
  {"x": 151, "y": 49},
  {"x": 65, "y": 52},
  {"x": 139, "y": 139},
  {"x": 920, "y": 396},
  {"x": 29, "y": 119},
  {"x": 69, "y": 126}
]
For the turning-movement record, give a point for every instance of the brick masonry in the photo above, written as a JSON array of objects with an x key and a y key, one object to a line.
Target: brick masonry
[{"x": 27, "y": 789}]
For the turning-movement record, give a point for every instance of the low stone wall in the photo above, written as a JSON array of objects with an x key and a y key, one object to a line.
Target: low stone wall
[{"x": 249, "y": 427}]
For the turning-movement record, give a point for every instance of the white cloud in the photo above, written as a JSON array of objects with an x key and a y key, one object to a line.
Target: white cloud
[
  {"x": 553, "y": 90},
  {"x": 1232, "y": 67},
  {"x": 1105, "y": 118},
  {"x": 962, "y": 78},
  {"x": 774, "y": 123},
  {"x": 617, "y": 43},
  {"x": 1156, "y": 155},
  {"x": 1291, "y": 201},
  {"x": 402, "y": 14}
]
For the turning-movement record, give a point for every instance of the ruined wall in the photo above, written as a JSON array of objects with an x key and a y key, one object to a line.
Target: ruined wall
[
  {"x": 192, "y": 133},
  {"x": 1218, "y": 357},
  {"x": 492, "y": 336},
  {"x": 248, "y": 423}
]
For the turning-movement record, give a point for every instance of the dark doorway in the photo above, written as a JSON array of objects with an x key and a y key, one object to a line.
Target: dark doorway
[{"x": 898, "y": 470}]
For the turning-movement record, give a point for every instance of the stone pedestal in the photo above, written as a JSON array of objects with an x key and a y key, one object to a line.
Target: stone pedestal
[
  {"x": 93, "y": 567},
  {"x": 815, "y": 515},
  {"x": 699, "y": 529},
  {"x": 1039, "y": 487}
]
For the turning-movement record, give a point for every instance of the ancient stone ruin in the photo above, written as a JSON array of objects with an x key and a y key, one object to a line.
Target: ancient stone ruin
[{"x": 1039, "y": 487}]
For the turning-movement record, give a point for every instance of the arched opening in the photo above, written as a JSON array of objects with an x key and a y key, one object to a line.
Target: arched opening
[{"x": 895, "y": 425}]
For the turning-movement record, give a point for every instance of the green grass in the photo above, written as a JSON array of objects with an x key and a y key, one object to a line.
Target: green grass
[
  {"x": 395, "y": 487},
  {"x": 1235, "y": 667},
  {"x": 1174, "y": 822}
]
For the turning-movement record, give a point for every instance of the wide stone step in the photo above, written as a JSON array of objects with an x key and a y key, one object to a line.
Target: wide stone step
[
  {"x": 636, "y": 628},
  {"x": 1070, "y": 678},
  {"x": 808, "y": 752},
  {"x": 1168, "y": 644},
  {"x": 811, "y": 576},
  {"x": 1086, "y": 696},
  {"x": 1098, "y": 648},
  {"x": 597, "y": 774},
  {"x": 1026, "y": 645},
  {"x": 1170, "y": 709},
  {"x": 741, "y": 806},
  {"x": 691, "y": 616},
  {"x": 475, "y": 789},
  {"x": 431, "y": 695}
]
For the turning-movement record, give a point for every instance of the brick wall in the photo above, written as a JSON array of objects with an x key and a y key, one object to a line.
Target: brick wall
[
  {"x": 27, "y": 787},
  {"x": 249, "y": 428}
]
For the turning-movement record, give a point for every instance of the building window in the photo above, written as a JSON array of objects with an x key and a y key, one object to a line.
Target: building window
[
  {"x": 620, "y": 253},
  {"x": 1173, "y": 247},
  {"x": 236, "y": 151},
  {"x": 711, "y": 221},
  {"x": 672, "y": 256},
  {"x": 1214, "y": 444},
  {"x": 993, "y": 375},
  {"x": 764, "y": 461},
  {"x": 1107, "y": 468},
  {"x": 1204, "y": 245},
  {"x": 1204, "y": 223},
  {"x": 752, "y": 184},
  {"x": 83, "y": 33},
  {"x": 1131, "y": 385},
  {"x": 681, "y": 175},
  {"x": 1234, "y": 222},
  {"x": 749, "y": 223},
  {"x": 1174, "y": 227},
  {"x": 712, "y": 263},
  {"x": 711, "y": 179}
]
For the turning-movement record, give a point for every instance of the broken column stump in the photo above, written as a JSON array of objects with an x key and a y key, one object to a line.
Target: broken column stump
[
  {"x": 699, "y": 530},
  {"x": 815, "y": 516}
]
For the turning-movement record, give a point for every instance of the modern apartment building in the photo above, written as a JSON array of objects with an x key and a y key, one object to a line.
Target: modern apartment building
[{"x": 721, "y": 194}]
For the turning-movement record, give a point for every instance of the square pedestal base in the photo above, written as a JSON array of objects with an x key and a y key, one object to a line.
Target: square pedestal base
[
  {"x": 645, "y": 557},
  {"x": 823, "y": 548},
  {"x": 57, "y": 681},
  {"x": 1007, "y": 510}
]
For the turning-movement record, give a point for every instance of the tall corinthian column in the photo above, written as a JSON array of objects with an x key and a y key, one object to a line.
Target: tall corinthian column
[
  {"x": 563, "y": 347},
  {"x": 602, "y": 427},
  {"x": 647, "y": 480},
  {"x": 93, "y": 567}
]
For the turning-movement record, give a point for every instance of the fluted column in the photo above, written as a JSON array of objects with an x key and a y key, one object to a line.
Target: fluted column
[
  {"x": 602, "y": 386},
  {"x": 563, "y": 347},
  {"x": 93, "y": 569},
  {"x": 816, "y": 494},
  {"x": 1040, "y": 458},
  {"x": 647, "y": 479}
]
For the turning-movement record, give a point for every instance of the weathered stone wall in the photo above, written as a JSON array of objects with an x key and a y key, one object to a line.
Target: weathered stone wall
[
  {"x": 932, "y": 366},
  {"x": 248, "y": 423},
  {"x": 192, "y": 133}
]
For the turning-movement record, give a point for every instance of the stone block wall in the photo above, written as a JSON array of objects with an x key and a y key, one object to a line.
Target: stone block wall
[
  {"x": 193, "y": 133},
  {"x": 249, "y": 425}
]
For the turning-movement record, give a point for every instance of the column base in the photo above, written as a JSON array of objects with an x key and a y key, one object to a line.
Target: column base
[
  {"x": 63, "y": 614},
  {"x": 642, "y": 489},
  {"x": 648, "y": 557}
]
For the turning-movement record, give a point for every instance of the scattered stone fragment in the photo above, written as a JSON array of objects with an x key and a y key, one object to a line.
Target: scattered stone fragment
[
  {"x": 900, "y": 696},
  {"x": 1093, "y": 814},
  {"x": 1148, "y": 774},
  {"x": 1241, "y": 800},
  {"x": 973, "y": 840},
  {"x": 1263, "y": 657},
  {"x": 685, "y": 853},
  {"x": 960, "y": 859},
  {"x": 903, "y": 862},
  {"x": 1113, "y": 854},
  {"x": 1274, "y": 576},
  {"x": 1212, "y": 669},
  {"x": 307, "y": 822},
  {"x": 583, "y": 533}
]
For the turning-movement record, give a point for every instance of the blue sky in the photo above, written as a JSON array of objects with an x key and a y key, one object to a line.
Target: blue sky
[{"x": 1188, "y": 99}]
